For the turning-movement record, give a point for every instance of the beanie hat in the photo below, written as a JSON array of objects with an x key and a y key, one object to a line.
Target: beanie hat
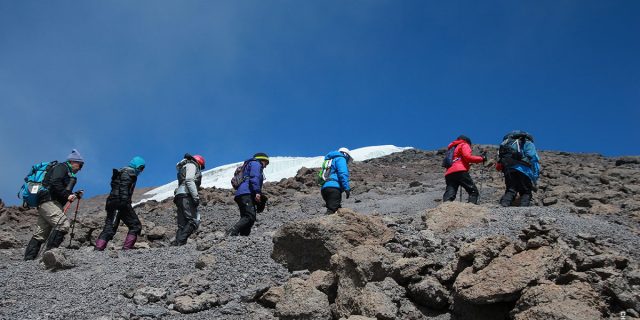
[
  {"x": 75, "y": 156},
  {"x": 137, "y": 162},
  {"x": 465, "y": 138},
  {"x": 261, "y": 156}
]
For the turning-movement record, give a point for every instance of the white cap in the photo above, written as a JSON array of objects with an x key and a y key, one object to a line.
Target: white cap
[{"x": 345, "y": 150}]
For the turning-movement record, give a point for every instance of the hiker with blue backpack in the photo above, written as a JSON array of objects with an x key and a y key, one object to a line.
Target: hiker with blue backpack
[
  {"x": 457, "y": 161},
  {"x": 118, "y": 206},
  {"x": 334, "y": 177},
  {"x": 249, "y": 197},
  {"x": 519, "y": 162},
  {"x": 187, "y": 198},
  {"x": 54, "y": 191}
]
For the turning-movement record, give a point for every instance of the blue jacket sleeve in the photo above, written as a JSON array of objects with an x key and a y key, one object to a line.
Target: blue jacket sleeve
[
  {"x": 531, "y": 153},
  {"x": 342, "y": 172},
  {"x": 255, "y": 177}
]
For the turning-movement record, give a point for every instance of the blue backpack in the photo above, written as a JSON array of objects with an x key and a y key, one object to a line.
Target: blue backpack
[
  {"x": 449, "y": 159},
  {"x": 33, "y": 183}
]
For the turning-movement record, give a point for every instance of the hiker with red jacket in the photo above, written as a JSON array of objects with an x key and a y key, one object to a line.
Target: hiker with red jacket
[{"x": 458, "y": 173}]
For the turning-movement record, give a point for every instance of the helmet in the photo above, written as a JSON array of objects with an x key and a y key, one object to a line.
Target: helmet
[
  {"x": 345, "y": 151},
  {"x": 261, "y": 156},
  {"x": 200, "y": 160}
]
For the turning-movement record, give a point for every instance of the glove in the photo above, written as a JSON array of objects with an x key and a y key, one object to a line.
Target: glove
[
  {"x": 196, "y": 202},
  {"x": 484, "y": 159},
  {"x": 499, "y": 166},
  {"x": 348, "y": 193}
]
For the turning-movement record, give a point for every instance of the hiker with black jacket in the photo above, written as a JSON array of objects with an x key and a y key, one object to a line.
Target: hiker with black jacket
[
  {"x": 249, "y": 196},
  {"x": 457, "y": 173},
  {"x": 519, "y": 162},
  {"x": 52, "y": 223},
  {"x": 118, "y": 206},
  {"x": 187, "y": 198}
]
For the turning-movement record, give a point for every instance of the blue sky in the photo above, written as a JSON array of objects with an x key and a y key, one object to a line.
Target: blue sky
[{"x": 227, "y": 79}]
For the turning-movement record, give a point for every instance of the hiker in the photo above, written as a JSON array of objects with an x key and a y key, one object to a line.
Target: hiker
[
  {"x": 52, "y": 223},
  {"x": 186, "y": 196},
  {"x": 118, "y": 206},
  {"x": 519, "y": 162},
  {"x": 337, "y": 179},
  {"x": 249, "y": 195},
  {"x": 459, "y": 160}
]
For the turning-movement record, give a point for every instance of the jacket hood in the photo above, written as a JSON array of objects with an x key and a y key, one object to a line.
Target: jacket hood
[
  {"x": 455, "y": 143},
  {"x": 333, "y": 155}
]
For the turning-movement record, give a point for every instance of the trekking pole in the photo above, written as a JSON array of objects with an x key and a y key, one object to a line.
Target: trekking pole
[
  {"x": 64, "y": 215},
  {"x": 73, "y": 223}
]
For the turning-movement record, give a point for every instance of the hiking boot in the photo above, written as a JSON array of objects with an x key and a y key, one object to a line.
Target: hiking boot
[
  {"x": 55, "y": 239},
  {"x": 525, "y": 200},
  {"x": 32, "y": 249},
  {"x": 129, "y": 241},
  {"x": 100, "y": 245},
  {"x": 232, "y": 232}
]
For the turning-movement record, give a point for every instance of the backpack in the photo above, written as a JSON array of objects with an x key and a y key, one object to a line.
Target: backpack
[
  {"x": 449, "y": 159},
  {"x": 325, "y": 172},
  {"x": 511, "y": 151},
  {"x": 238, "y": 176},
  {"x": 33, "y": 183}
]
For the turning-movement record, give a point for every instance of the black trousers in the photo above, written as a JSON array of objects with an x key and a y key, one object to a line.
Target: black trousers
[
  {"x": 187, "y": 218},
  {"x": 332, "y": 198},
  {"x": 116, "y": 212},
  {"x": 516, "y": 182},
  {"x": 247, "y": 206},
  {"x": 457, "y": 179}
]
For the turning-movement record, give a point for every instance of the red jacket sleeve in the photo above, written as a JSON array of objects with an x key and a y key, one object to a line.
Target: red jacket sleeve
[{"x": 467, "y": 156}]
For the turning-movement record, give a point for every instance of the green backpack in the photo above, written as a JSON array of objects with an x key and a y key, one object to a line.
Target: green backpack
[{"x": 325, "y": 172}]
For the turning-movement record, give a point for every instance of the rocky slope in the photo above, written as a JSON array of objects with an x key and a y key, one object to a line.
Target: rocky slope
[{"x": 396, "y": 253}]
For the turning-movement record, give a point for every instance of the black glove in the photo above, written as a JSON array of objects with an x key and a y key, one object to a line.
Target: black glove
[
  {"x": 196, "y": 202},
  {"x": 484, "y": 159},
  {"x": 348, "y": 193}
]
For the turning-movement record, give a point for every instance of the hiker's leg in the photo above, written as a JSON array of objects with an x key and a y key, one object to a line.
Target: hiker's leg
[
  {"x": 247, "y": 215},
  {"x": 333, "y": 199},
  {"x": 132, "y": 222},
  {"x": 510, "y": 192},
  {"x": 52, "y": 212},
  {"x": 452, "y": 187},
  {"x": 180, "y": 219},
  {"x": 525, "y": 188},
  {"x": 467, "y": 183}
]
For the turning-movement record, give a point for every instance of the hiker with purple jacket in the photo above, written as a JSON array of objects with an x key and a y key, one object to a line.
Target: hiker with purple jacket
[{"x": 249, "y": 195}]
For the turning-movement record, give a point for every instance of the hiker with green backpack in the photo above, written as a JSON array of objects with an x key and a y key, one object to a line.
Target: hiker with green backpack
[
  {"x": 457, "y": 161},
  {"x": 334, "y": 177},
  {"x": 54, "y": 191},
  {"x": 520, "y": 164}
]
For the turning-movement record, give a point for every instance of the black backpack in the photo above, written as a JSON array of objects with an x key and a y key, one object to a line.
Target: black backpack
[
  {"x": 511, "y": 151},
  {"x": 448, "y": 160}
]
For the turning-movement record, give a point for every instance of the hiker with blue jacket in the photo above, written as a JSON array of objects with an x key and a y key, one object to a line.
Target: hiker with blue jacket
[
  {"x": 186, "y": 197},
  {"x": 519, "y": 162},
  {"x": 118, "y": 206},
  {"x": 337, "y": 180},
  {"x": 249, "y": 194},
  {"x": 52, "y": 223}
]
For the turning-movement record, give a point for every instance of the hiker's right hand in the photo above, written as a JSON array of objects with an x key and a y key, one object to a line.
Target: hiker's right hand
[
  {"x": 72, "y": 197},
  {"x": 258, "y": 198},
  {"x": 348, "y": 193}
]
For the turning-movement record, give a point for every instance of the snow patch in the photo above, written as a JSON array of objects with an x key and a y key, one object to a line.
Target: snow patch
[{"x": 279, "y": 168}]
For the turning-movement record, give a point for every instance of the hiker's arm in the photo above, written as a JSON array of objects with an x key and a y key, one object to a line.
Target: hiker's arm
[
  {"x": 189, "y": 180},
  {"x": 255, "y": 177},
  {"x": 468, "y": 157},
  {"x": 57, "y": 186},
  {"x": 343, "y": 173}
]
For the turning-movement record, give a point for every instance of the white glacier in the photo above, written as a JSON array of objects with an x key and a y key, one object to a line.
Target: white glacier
[{"x": 279, "y": 168}]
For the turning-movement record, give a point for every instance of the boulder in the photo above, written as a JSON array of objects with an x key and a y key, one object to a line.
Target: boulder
[
  {"x": 506, "y": 276},
  {"x": 429, "y": 293},
  {"x": 156, "y": 233},
  {"x": 205, "y": 261},
  {"x": 483, "y": 250},
  {"x": 324, "y": 281},
  {"x": 451, "y": 216},
  {"x": 380, "y": 299},
  {"x": 405, "y": 270},
  {"x": 271, "y": 297},
  {"x": 55, "y": 260},
  {"x": 302, "y": 301},
  {"x": 554, "y": 302},
  {"x": 145, "y": 295},
  {"x": 309, "y": 244},
  {"x": 187, "y": 304},
  {"x": 364, "y": 263},
  {"x": 623, "y": 293},
  {"x": 8, "y": 241}
]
